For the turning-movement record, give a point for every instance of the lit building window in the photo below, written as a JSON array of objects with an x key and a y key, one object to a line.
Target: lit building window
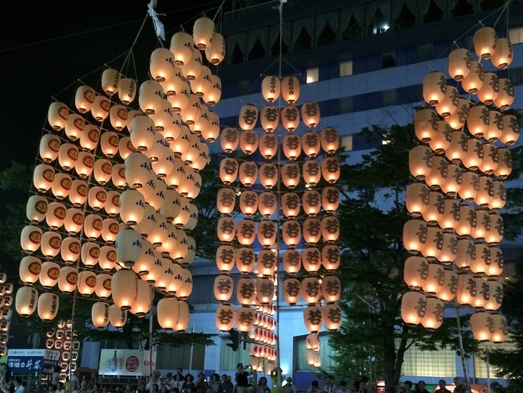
[
  {"x": 429, "y": 363},
  {"x": 515, "y": 35},
  {"x": 346, "y": 68},
  {"x": 480, "y": 366},
  {"x": 389, "y": 97},
  {"x": 346, "y": 143},
  {"x": 313, "y": 74}
]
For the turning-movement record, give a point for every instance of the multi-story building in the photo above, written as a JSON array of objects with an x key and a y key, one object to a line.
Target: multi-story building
[{"x": 363, "y": 62}]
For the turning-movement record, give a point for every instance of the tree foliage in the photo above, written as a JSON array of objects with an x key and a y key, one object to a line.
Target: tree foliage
[{"x": 373, "y": 339}]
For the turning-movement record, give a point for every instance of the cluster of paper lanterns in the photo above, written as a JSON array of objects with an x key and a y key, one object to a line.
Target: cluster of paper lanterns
[
  {"x": 285, "y": 190},
  {"x": 113, "y": 210},
  {"x": 460, "y": 166},
  {"x": 6, "y": 303},
  {"x": 63, "y": 338}
]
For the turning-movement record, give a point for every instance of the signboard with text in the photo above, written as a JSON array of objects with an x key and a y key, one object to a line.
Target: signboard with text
[
  {"x": 130, "y": 362},
  {"x": 28, "y": 361}
]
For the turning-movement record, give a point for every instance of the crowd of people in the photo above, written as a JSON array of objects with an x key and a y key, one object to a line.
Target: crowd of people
[{"x": 460, "y": 387}]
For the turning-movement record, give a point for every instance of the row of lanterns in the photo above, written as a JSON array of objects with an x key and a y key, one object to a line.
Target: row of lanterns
[
  {"x": 6, "y": 302},
  {"x": 461, "y": 167},
  {"x": 64, "y": 340},
  {"x": 134, "y": 191}
]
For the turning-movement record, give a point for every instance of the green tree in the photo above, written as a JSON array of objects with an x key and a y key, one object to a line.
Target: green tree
[{"x": 373, "y": 339}]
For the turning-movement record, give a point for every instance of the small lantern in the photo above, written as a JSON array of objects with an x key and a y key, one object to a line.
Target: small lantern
[
  {"x": 269, "y": 118},
  {"x": 225, "y": 258},
  {"x": 505, "y": 96},
  {"x": 310, "y": 113},
  {"x": 128, "y": 246},
  {"x": 84, "y": 99},
  {"x": 55, "y": 215},
  {"x": 310, "y": 290},
  {"x": 414, "y": 235},
  {"x": 420, "y": 161},
  {"x": 458, "y": 118},
  {"x": 70, "y": 250},
  {"x": 500, "y": 329},
  {"x": 266, "y": 233},
  {"x": 489, "y": 91},
  {"x": 26, "y": 301},
  {"x": 100, "y": 108},
  {"x": 417, "y": 199},
  {"x": 183, "y": 317},
  {"x": 478, "y": 120},
  {"x": 504, "y": 167},
  {"x": 142, "y": 133},
  {"x": 330, "y": 229},
  {"x": 330, "y": 257},
  {"x": 469, "y": 186},
  {"x": 311, "y": 173},
  {"x": 474, "y": 157},
  {"x": 225, "y": 200},
  {"x": 90, "y": 137},
  {"x": 48, "y": 304},
  {"x": 51, "y": 243},
  {"x": 291, "y": 261},
  {"x": 264, "y": 290},
  {"x": 49, "y": 147},
  {"x": 490, "y": 159},
  {"x": 57, "y": 115},
  {"x": 225, "y": 318},
  {"x": 290, "y": 174},
  {"x": 228, "y": 170},
  {"x": 290, "y": 118},
  {"x": 67, "y": 156},
  {"x": 132, "y": 207},
  {"x": 479, "y": 324},
  {"x": 466, "y": 253},
  {"x": 100, "y": 314},
  {"x": 124, "y": 288},
  {"x": 161, "y": 65},
  {"x": 245, "y": 319},
  {"x": 30, "y": 238},
  {"x": 434, "y": 314},
  {"x": 435, "y": 279},
  {"x": 510, "y": 130},
  {"x": 93, "y": 226},
  {"x": 215, "y": 52},
  {"x": 503, "y": 55},
  {"x": 330, "y": 169},
  {"x": 312, "y": 230},
  {"x": 226, "y": 229},
  {"x": 248, "y": 173},
  {"x": 311, "y": 201},
  {"x": 110, "y": 78},
  {"x": 496, "y": 262},
  {"x": 203, "y": 31},
  {"x": 311, "y": 143},
  {"x": 248, "y": 142},
  {"x": 311, "y": 259},
  {"x": 103, "y": 286},
  {"x": 434, "y": 88},
  {"x": 267, "y": 204},
  {"x": 291, "y": 147},
  {"x": 437, "y": 176},
  {"x": 496, "y": 295},
  {"x": 331, "y": 288},
  {"x": 142, "y": 302},
  {"x": 223, "y": 288},
  {"x": 291, "y": 291},
  {"x": 191, "y": 69},
  {"x": 268, "y": 175},
  {"x": 290, "y": 204},
  {"x": 167, "y": 313},
  {"x": 246, "y": 291},
  {"x": 29, "y": 269},
  {"x": 413, "y": 307},
  {"x": 118, "y": 117},
  {"x": 474, "y": 80},
  {"x": 313, "y": 318},
  {"x": 246, "y": 232},
  {"x": 451, "y": 215},
  {"x": 425, "y": 124},
  {"x": 448, "y": 291},
  {"x": 290, "y": 89},
  {"x": 466, "y": 289},
  {"x": 229, "y": 139},
  {"x": 415, "y": 271},
  {"x": 248, "y": 202},
  {"x": 181, "y": 47},
  {"x": 271, "y": 88},
  {"x": 291, "y": 233},
  {"x": 459, "y": 63},
  {"x": 485, "y": 42},
  {"x": 449, "y": 104}
]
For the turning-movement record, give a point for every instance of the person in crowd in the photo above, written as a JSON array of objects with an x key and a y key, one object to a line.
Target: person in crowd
[
  {"x": 179, "y": 372},
  {"x": 96, "y": 388},
  {"x": 201, "y": 384},
  {"x": 61, "y": 388},
  {"x": 175, "y": 390},
  {"x": 178, "y": 381},
  {"x": 164, "y": 389},
  {"x": 407, "y": 387},
  {"x": 168, "y": 381},
  {"x": 226, "y": 385},
  {"x": 128, "y": 388},
  {"x": 289, "y": 386},
  {"x": 329, "y": 386},
  {"x": 155, "y": 388},
  {"x": 118, "y": 389},
  {"x": 75, "y": 381},
  {"x": 314, "y": 388},
  {"x": 267, "y": 390},
  {"x": 242, "y": 378},
  {"x": 83, "y": 387},
  {"x": 460, "y": 386},
  {"x": 420, "y": 387},
  {"x": 343, "y": 388},
  {"x": 359, "y": 386},
  {"x": 442, "y": 387},
  {"x": 262, "y": 385},
  {"x": 214, "y": 383},
  {"x": 104, "y": 389},
  {"x": 156, "y": 378},
  {"x": 91, "y": 382},
  {"x": 55, "y": 378},
  {"x": 189, "y": 383},
  {"x": 18, "y": 385},
  {"x": 141, "y": 388}
]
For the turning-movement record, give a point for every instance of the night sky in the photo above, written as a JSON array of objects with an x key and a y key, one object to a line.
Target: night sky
[{"x": 46, "y": 46}]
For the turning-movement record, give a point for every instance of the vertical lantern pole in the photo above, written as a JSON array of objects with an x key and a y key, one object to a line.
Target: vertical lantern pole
[{"x": 151, "y": 339}]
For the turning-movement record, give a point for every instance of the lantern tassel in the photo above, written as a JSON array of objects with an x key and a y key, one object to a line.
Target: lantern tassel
[{"x": 158, "y": 26}]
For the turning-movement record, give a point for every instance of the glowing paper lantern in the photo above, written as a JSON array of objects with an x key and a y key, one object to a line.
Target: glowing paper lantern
[
  {"x": 167, "y": 313},
  {"x": 449, "y": 104},
  {"x": 503, "y": 55},
  {"x": 485, "y": 42},
  {"x": 459, "y": 63},
  {"x": 310, "y": 114},
  {"x": 48, "y": 304},
  {"x": 290, "y": 89},
  {"x": 489, "y": 91},
  {"x": 26, "y": 301},
  {"x": 100, "y": 314},
  {"x": 271, "y": 88},
  {"x": 434, "y": 314},
  {"x": 413, "y": 307},
  {"x": 313, "y": 318}
]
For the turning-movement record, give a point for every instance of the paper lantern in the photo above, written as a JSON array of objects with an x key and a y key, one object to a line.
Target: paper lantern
[
  {"x": 331, "y": 288},
  {"x": 490, "y": 159},
  {"x": 68, "y": 279},
  {"x": 290, "y": 174},
  {"x": 503, "y": 54},
  {"x": 495, "y": 295},
  {"x": 290, "y": 89},
  {"x": 480, "y": 324},
  {"x": 48, "y": 304},
  {"x": 269, "y": 118},
  {"x": 291, "y": 233},
  {"x": 268, "y": 175},
  {"x": 438, "y": 174},
  {"x": 183, "y": 217},
  {"x": 425, "y": 124},
  {"x": 478, "y": 120},
  {"x": 228, "y": 170},
  {"x": 67, "y": 156},
  {"x": 311, "y": 142},
  {"x": 311, "y": 290},
  {"x": 49, "y": 147},
  {"x": 246, "y": 232},
  {"x": 466, "y": 253},
  {"x": 330, "y": 229},
  {"x": 505, "y": 96},
  {"x": 192, "y": 68},
  {"x": 223, "y": 288},
  {"x": 267, "y": 204},
  {"x": 245, "y": 319},
  {"x": 290, "y": 118},
  {"x": 474, "y": 80},
  {"x": 291, "y": 291},
  {"x": 118, "y": 117},
  {"x": 226, "y": 229},
  {"x": 100, "y": 314},
  {"x": 248, "y": 173},
  {"x": 187, "y": 286},
  {"x": 486, "y": 191},
  {"x": 413, "y": 307},
  {"x": 420, "y": 161},
  {"x": 266, "y": 233},
  {"x": 434, "y": 314},
  {"x": 483, "y": 294},
  {"x": 30, "y": 238},
  {"x": 225, "y": 200},
  {"x": 310, "y": 113},
  {"x": 271, "y": 88},
  {"x": 225, "y": 318},
  {"x": 180, "y": 101},
  {"x": 93, "y": 225},
  {"x": 495, "y": 234},
  {"x": 330, "y": 169},
  {"x": 100, "y": 108},
  {"x": 246, "y": 291},
  {"x": 434, "y": 279},
  {"x": 330, "y": 257},
  {"x": 448, "y": 291},
  {"x": 84, "y": 98},
  {"x": 161, "y": 64},
  {"x": 500, "y": 329},
  {"x": 142, "y": 302},
  {"x": 449, "y": 104},
  {"x": 489, "y": 91},
  {"x": 225, "y": 258},
  {"x": 496, "y": 262},
  {"x": 167, "y": 313},
  {"x": 312, "y": 342},
  {"x": 150, "y": 98},
  {"x": 267, "y": 262},
  {"x": 70, "y": 250},
  {"x": 29, "y": 269},
  {"x": 57, "y": 115},
  {"x": 128, "y": 246},
  {"x": 466, "y": 290},
  {"x": 202, "y": 84},
  {"x": 434, "y": 88},
  {"x": 313, "y": 318},
  {"x": 51, "y": 243},
  {"x": 181, "y": 47},
  {"x": 434, "y": 244},
  {"x": 26, "y": 301},
  {"x": 451, "y": 215},
  {"x": 311, "y": 259},
  {"x": 510, "y": 130},
  {"x": 264, "y": 290},
  {"x": 103, "y": 286},
  {"x": 458, "y": 118},
  {"x": 248, "y": 142},
  {"x": 415, "y": 271},
  {"x": 504, "y": 167},
  {"x": 132, "y": 207},
  {"x": 124, "y": 288},
  {"x": 495, "y": 128},
  {"x": 485, "y": 42},
  {"x": 110, "y": 79},
  {"x": 142, "y": 133},
  {"x": 248, "y": 203},
  {"x": 417, "y": 199},
  {"x": 203, "y": 31},
  {"x": 215, "y": 50},
  {"x": 415, "y": 235},
  {"x": 89, "y": 138},
  {"x": 291, "y": 147},
  {"x": 311, "y": 173},
  {"x": 290, "y": 205},
  {"x": 459, "y": 63},
  {"x": 183, "y": 317}
]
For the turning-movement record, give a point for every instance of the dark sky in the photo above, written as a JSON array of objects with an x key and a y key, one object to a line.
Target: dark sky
[{"x": 47, "y": 45}]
